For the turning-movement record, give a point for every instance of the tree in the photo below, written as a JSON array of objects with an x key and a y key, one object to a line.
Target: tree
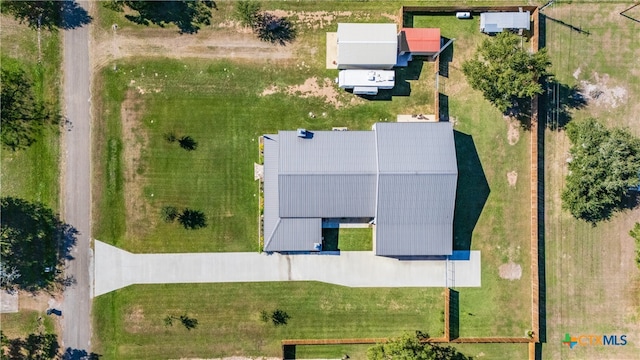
[
  {"x": 604, "y": 164},
  {"x": 48, "y": 14},
  {"x": 169, "y": 213},
  {"x": 505, "y": 73},
  {"x": 36, "y": 346},
  {"x": 409, "y": 347},
  {"x": 192, "y": 219},
  {"x": 23, "y": 116},
  {"x": 246, "y": 11},
  {"x": 34, "y": 243},
  {"x": 635, "y": 233},
  {"x": 187, "y": 15}
]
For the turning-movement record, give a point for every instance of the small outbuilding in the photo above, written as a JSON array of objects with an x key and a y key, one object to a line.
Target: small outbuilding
[
  {"x": 367, "y": 46},
  {"x": 419, "y": 41},
  {"x": 496, "y": 22}
]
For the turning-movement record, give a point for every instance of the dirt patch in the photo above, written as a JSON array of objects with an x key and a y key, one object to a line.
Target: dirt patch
[
  {"x": 312, "y": 19},
  {"x": 513, "y": 131},
  {"x": 601, "y": 93},
  {"x": 394, "y": 18},
  {"x": 512, "y": 178},
  {"x": 134, "y": 319},
  {"x": 314, "y": 87},
  {"x": 510, "y": 271},
  {"x": 228, "y": 40},
  {"x": 134, "y": 139}
]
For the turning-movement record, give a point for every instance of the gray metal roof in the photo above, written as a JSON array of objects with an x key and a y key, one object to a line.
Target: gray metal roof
[
  {"x": 415, "y": 148},
  {"x": 283, "y": 234},
  {"x": 327, "y": 196},
  {"x": 367, "y": 46},
  {"x": 295, "y": 234},
  {"x": 404, "y": 174},
  {"x": 415, "y": 214},
  {"x": 492, "y": 22},
  {"x": 327, "y": 152}
]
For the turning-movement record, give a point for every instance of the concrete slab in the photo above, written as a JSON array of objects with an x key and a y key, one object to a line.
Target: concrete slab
[
  {"x": 116, "y": 268},
  {"x": 332, "y": 50},
  {"x": 9, "y": 302}
]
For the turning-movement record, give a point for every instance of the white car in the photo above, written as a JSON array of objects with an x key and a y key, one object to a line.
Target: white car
[{"x": 463, "y": 15}]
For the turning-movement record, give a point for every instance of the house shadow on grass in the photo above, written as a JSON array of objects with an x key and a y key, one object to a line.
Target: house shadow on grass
[
  {"x": 472, "y": 191},
  {"x": 402, "y": 85}
]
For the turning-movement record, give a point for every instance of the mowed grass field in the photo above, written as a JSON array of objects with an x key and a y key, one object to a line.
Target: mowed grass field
[
  {"x": 130, "y": 322},
  {"x": 592, "y": 281},
  {"x": 223, "y": 105},
  {"x": 32, "y": 173}
]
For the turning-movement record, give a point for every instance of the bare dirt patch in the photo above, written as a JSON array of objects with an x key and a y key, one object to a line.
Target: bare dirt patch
[
  {"x": 512, "y": 178},
  {"x": 228, "y": 41},
  {"x": 314, "y": 87},
  {"x": 510, "y": 271},
  {"x": 601, "y": 92},
  {"x": 312, "y": 19},
  {"x": 513, "y": 131},
  {"x": 134, "y": 139},
  {"x": 134, "y": 319}
]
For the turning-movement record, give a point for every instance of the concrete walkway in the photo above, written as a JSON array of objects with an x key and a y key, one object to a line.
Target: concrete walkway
[{"x": 116, "y": 268}]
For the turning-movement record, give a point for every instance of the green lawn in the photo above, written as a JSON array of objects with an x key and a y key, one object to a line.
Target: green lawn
[
  {"x": 129, "y": 322},
  {"x": 25, "y": 322},
  {"x": 348, "y": 239},
  {"x": 592, "y": 282},
  {"x": 32, "y": 174},
  {"x": 220, "y": 104}
]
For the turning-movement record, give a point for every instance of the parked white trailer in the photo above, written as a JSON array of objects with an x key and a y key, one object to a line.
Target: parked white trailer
[{"x": 369, "y": 79}]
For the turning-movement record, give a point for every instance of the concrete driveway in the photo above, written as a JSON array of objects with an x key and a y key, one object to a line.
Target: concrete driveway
[{"x": 116, "y": 268}]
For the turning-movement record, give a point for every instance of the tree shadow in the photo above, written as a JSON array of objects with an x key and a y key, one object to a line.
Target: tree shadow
[
  {"x": 188, "y": 143},
  {"x": 186, "y": 15},
  {"x": 274, "y": 29},
  {"x": 472, "y": 191},
  {"x": 35, "y": 243},
  {"x": 48, "y": 14},
  {"x": 73, "y": 16},
  {"x": 559, "y": 102},
  {"x": 192, "y": 219},
  {"x": 78, "y": 354}
]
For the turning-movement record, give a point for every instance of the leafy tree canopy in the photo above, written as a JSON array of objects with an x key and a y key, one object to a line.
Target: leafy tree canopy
[
  {"x": 47, "y": 14},
  {"x": 187, "y": 15},
  {"x": 409, "y": 347},
  {"x": 34, "y": 242},
  {"x": 635, "y": 233},
  {"x": 35, "y": 346},
  {"x": 246, "y": 11},
  {"x": 604, "y": 165},
  {"x": 22, "y": 114},
  {"x": 505, "y": 73}
]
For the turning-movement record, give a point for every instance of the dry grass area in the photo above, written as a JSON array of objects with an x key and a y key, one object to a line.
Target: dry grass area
[{"x": 592, "y": 281}]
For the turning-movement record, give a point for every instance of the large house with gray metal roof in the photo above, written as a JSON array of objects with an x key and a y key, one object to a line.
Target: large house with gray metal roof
[{"x": 400, "y": 176}]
